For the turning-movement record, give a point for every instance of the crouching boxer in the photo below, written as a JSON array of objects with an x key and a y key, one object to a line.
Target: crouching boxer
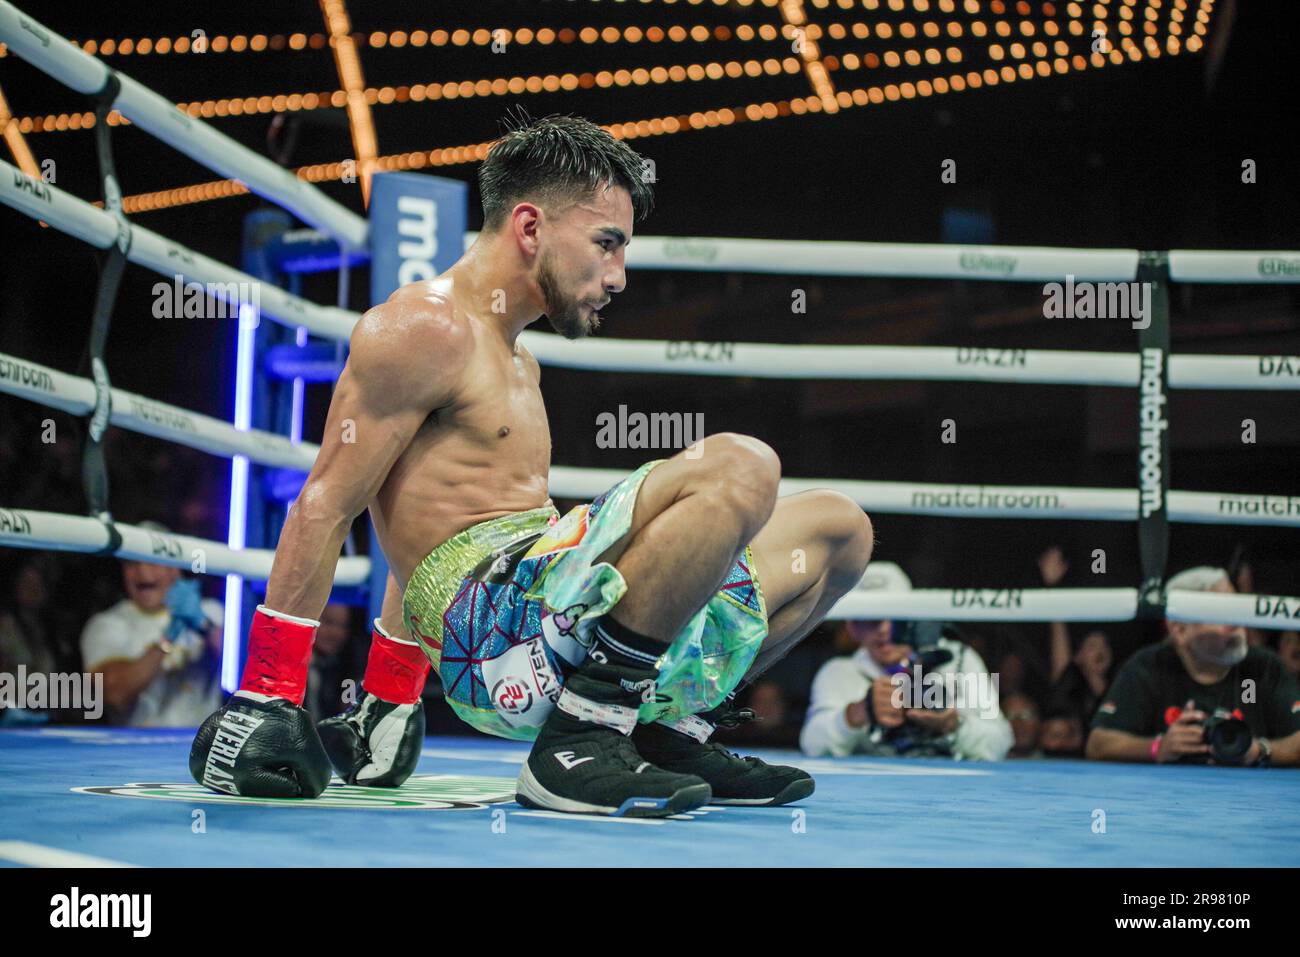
[{"x": 612, "y": 638}]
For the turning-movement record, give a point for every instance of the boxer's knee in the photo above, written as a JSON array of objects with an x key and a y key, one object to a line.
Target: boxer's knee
[
  {"x": 743, "y": 474},
  {"x": 849, "y": 535}
]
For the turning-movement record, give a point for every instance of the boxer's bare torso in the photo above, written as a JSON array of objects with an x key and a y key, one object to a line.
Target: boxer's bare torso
[
  {"x": 437, "y": 421},
  {"x": 485, "y": 452},
  {"x": 436, "y": 424}
]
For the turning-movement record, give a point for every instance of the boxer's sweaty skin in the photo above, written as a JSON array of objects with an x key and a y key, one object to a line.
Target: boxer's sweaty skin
[
  {"x": 459, "y": 468},
  {"x": 437, "y": 422}
]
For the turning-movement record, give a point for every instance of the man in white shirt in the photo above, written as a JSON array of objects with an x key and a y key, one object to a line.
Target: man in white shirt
[
  {"x": 858, "y": 707},
  {"x": 158, "y": 649}
]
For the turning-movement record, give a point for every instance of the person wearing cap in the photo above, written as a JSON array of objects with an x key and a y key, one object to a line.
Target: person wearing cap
[
  {"x": 866, "y": 703},
  {"x": 1157, "y": 708},
  {"x": 158, "y": 648}
]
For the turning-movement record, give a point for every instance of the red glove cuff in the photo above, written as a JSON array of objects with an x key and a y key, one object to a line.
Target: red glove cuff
[
  {"x": 279, "y": 650},
  {"x": 396, "y": 670}
]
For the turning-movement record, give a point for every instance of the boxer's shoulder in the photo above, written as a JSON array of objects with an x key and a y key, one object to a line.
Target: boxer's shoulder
[{"x": 409, "y": 340}]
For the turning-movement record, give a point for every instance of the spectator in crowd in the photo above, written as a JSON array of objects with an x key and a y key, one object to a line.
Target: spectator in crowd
[
  {"x": 159, "y": 648},
  {"x": 1159, "y": 704},
  {"x": 1021, "y": 711},
  {"x": 1062, "y": 733},
  {"x": 855, "y": 708},
  {"x": 1081, "y": 677},
  {"x": 25, "y": 634},
  {"x": 1288, "y": 649},
  {"x": 334, "y": 675}
]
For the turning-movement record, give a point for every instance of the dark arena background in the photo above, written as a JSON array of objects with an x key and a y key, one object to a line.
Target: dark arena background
[{"x": 861, "y": 207}]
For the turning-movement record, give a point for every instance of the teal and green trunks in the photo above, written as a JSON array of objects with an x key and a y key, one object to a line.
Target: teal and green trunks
[{"x": 506, "y": 608}]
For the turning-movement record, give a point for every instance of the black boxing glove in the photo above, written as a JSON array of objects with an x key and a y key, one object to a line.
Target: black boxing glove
[
  {"x": 262, "y": 743},
  {"x": 375, "y": 742},
  {"x": 257, "y": 746}
]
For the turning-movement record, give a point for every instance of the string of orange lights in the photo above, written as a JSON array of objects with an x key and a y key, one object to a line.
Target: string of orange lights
[
  {"x": 295, "y": 102},
  {"x": 1038, "y": 59},
  {"x": 666, "y": 125}
]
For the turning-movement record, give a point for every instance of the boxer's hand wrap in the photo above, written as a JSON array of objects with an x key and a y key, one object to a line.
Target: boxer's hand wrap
[
  {"x": 279, "y": 651},
  {"x": 396, "y": 670}
]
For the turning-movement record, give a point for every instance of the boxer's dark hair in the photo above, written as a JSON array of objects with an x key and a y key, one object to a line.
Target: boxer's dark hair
[{"x": 556, "y": 161}]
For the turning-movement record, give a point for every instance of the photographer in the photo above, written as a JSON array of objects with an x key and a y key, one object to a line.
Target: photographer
[
  {"x": 866, "y": 703},
  {"x": 1201, "y": 696}
]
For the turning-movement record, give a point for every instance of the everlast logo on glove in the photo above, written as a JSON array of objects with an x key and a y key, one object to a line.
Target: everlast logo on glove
[{"x": 232, "y": 734}]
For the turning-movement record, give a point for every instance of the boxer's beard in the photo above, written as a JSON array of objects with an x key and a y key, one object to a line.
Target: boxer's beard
[{"x": 564, "y": 313}]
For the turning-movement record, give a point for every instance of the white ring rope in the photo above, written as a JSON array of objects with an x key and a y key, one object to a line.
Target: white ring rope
[
  {"x": 38, "y": 383},
  {"x": 55, "y": 56},
  {"x": 23, "y": 528},
  {"x": 41, "y": 201},
  {"x": 813, "y": 257},
  {"x": 999, "y": 501},
  {"x": 1066, "y": 604},
  {"x": 75, "y": 395},
  {"x": 935, "y": 363},
  {"x": 1205, "y": 265}
]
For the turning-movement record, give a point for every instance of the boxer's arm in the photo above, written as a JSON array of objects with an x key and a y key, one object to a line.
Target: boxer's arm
[{"x": 406, "y": 358}]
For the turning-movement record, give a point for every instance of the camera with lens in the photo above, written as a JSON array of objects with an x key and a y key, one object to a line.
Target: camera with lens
[{"x": 1228, "y": 736}]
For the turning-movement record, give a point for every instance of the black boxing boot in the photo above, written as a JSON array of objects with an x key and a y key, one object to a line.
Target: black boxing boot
[
  {"x": 682, "y": 746},
  {"x": 584, "y": 762}
]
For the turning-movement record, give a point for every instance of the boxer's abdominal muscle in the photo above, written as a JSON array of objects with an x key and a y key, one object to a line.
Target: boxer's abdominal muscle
[{"x": 486, "y": 454}]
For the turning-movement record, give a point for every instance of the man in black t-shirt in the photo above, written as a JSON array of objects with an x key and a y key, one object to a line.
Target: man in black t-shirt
[{"x": 1156, "y": 707}]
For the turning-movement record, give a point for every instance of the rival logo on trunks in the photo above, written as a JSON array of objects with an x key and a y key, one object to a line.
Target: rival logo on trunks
[
  {"x": 512, "y": 696},
  {"x": 527, "y": 699}
]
